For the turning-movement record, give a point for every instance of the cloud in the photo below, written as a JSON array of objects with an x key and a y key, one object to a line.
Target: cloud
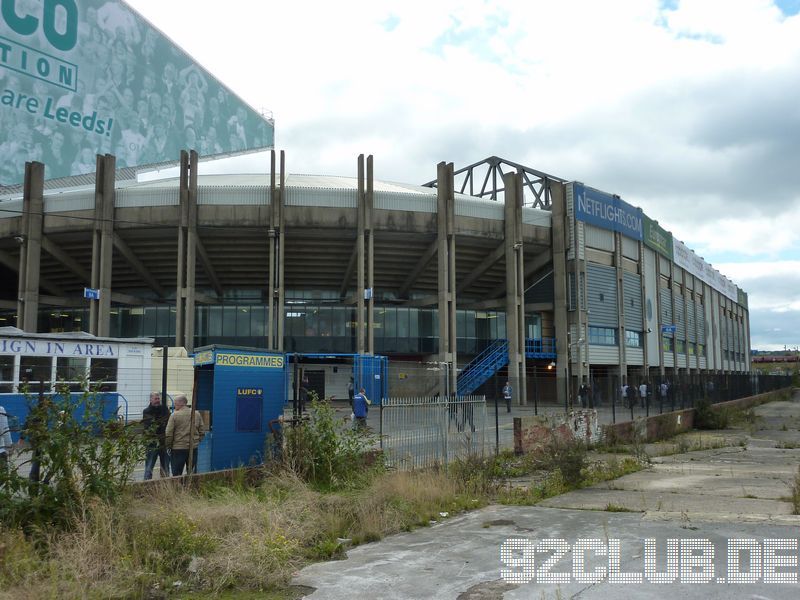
[{"x": 687, "y": 109}]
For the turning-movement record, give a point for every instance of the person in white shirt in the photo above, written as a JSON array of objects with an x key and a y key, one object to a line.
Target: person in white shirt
[{"x": 643, "y": 393}]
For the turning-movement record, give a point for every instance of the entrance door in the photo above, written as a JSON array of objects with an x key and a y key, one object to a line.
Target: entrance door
[{"x": 316, "y": 382}]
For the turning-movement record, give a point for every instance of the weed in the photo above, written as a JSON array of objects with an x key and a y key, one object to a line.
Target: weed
[
  {"x": 617, "y": 508},
  {"x": 795, "y": 491}
]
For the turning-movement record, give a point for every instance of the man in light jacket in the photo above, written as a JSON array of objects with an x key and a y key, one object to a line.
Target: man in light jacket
[{"x": 181, "y": 433}]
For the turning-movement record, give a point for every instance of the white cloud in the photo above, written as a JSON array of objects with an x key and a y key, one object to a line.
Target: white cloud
[{"x": 689, "y": 113}]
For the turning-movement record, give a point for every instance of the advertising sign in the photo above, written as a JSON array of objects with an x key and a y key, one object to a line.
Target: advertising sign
[
  {"x": 656, "y": 237},
  {"x": 85, "y": 77},
  {"x": 685, "y": 258},
  {"x": 607, "y": 211}
]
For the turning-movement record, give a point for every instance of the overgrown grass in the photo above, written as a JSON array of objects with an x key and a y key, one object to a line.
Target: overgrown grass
[{"x": 219, "y": 538}]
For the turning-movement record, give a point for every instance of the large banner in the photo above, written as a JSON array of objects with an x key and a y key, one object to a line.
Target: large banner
[
  {"x": 86, "y": 77},
  {"x": 657, "y": 238},
  {"x": 607, "y": 211},
  {"x": 686, "y": 258}
]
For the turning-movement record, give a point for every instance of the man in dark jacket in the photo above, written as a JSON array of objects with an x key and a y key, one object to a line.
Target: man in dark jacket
[{"x": 154, "y": 422}]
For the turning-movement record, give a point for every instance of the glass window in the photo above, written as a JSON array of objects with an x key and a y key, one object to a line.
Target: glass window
[
  {"x": 325, "y": 321},
  {"x": 214, "y": 321},
  {"x": 150, "y": 322},
  {"x": 666, "y": 343},
  {"x": 339, "y": 328},
  {"x": 295, "y": 322},
  {"x": 103, "y": 374},
  {"x": 228, "y": 321},
  {"x": 34, "y": 369},
  {"x": 71, "y": 371},
  {"x": 603, "y": 336},
  {"x": 390, "y": 323},
  {"x": 681, "y": 346},
  {"x": 6, "y": 373},
  {"x": 130, "y": 322},
  {"x": 413, "y": 325},
  {"x": 633, "y": 339},
  {"x": 501, "y": 325},
  {"x": 312, "y": 322},
  {"x": 402, "y": 323},
  {"x": 258, "y": 321},
  {"x": 172, "y": 320},
  {"x": 243, "y": 322}
]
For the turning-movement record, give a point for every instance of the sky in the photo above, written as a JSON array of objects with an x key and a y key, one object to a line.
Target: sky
[{"x": 686, "y": 108}]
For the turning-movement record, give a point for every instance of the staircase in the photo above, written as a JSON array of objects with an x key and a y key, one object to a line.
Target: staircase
[
  {"x": 482, "y": 367},
  {"x": 495, "y": 357}
]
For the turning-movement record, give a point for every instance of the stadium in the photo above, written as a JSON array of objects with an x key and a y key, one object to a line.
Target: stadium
[{"x": 491, "y": 271}]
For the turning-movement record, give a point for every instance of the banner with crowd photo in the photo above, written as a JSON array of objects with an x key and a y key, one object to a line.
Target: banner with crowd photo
[{"x": 86, "y": 77}]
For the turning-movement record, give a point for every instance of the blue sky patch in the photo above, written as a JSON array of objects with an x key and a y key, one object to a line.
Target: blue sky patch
[{"x": 788, "y": 7}]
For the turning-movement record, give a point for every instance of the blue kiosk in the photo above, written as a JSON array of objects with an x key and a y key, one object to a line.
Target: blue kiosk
[{"x": 243, "y": 389}]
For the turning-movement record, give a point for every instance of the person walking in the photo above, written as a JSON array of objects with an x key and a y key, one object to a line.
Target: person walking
[
  {"x": 507, "y": 395},
  {"x": 154, "y": 423},
  {"x": 643, "y": 393},
  {"x": 360, "y": 410},
  {"x": 182, "y": 433},
  {"x": 585, "y": 394}
]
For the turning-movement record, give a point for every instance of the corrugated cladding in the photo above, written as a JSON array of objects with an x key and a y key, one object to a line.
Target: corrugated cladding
[
  {"x": 602, "y": 292},
  {"x": 11, "y": 208},
  {"x": 69, "y": 201},
  {"x": 700, "y": 316},
  {"x": 149, "y": 196},
  {"x": 634, "y": 356},
  {"x": 602, "y": 239},
  {"x": 691, "y": 322},
  {"x": 632, "y": 298},
  {"x": 665, "y": 301},
  {"x": 573, "y": 228},
  {"x": 680, "y": 317},
  {"x": 339, "y": 198},
  {"x": 255, "y": 195},
  {"x": 630, "y": 248}
]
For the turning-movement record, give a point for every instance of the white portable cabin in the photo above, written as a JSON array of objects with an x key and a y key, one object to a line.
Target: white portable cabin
[{"x": 45, "y": 360}]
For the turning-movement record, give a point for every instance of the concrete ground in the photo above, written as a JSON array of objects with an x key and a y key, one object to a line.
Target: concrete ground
[{"x": 738, "y": 491}]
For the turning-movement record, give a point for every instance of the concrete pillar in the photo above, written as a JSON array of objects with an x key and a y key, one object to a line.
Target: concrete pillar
[
  {"x": 445, "y": 259},
  {"x": 183, "y": 222},
  {"x": 559, "y": 250},
  {"x": 643, "y": 279},
  {"x": 659, "y": 323},
  {"x": 623, "y": 359},
  {"x": 276, "y": 259},
  {"x": 673, "y": 280},
  {"x": 361, "y": 251},
  {"x": 369, "y": 232},
  {"x": 271, "y": 241},
  {"x": 102, "y": 245},
  {"x": 187, "y": 252},
  {"x": 30, "y": 251},
  {"x": 281, "y": 260},
  {"x": 191, "y": 253},
  {"x": 515, "y": 285}
]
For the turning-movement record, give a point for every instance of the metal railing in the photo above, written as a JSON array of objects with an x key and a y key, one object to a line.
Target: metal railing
[{"x": 426, "y": 431}]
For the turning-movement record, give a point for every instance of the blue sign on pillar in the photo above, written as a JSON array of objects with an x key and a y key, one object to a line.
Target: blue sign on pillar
[
  {"x": 668, "y": 328},
  {"x": 91, "y": 293}
]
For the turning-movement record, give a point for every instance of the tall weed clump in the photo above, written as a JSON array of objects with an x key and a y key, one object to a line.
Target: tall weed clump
[
  {"x": 81, "y": 455},
  {"x": 324, "y": 451}
]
